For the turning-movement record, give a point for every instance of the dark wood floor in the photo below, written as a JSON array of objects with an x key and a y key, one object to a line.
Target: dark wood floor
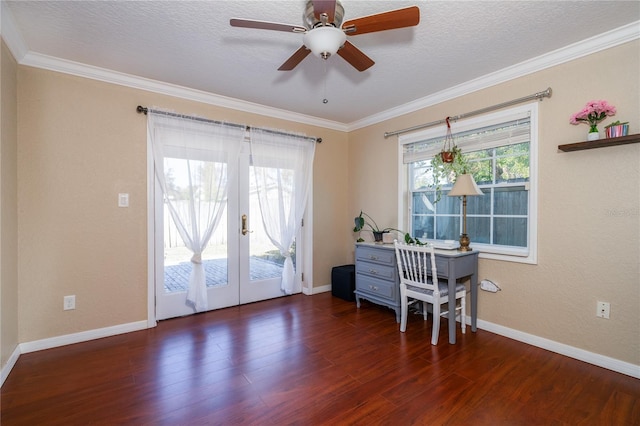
[{"x": 310, "y": 360}]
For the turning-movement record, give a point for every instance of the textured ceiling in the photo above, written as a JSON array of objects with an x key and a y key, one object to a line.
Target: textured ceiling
[{"x": 191, "y": 44}]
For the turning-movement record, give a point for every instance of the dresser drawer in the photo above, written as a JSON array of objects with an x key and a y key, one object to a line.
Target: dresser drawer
[
  {"x": 376, "y": 270},
  {"x": 381, "y": 256},
  {"x": 375, "y": 286}
]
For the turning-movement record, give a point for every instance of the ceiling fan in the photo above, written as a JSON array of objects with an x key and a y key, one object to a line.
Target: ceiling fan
[{"x": 325, "y": 35}]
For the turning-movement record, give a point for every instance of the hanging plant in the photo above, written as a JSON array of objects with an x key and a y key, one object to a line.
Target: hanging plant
[
  {"x": 444, "y": 171},
  {"x": 449, "y": 148}
]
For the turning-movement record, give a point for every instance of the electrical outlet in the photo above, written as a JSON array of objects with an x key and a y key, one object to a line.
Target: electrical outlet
[
  {"x": 69, "y": 302},
  {"x": 603, "y": 310}
]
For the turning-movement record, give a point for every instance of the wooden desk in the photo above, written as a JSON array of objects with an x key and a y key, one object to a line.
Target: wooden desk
[{"x": 377, "y": 278}]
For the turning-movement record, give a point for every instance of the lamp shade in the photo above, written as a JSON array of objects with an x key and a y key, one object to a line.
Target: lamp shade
[
  {"x": 465, "y": 185},
  {"x": 324, "y": 41}
]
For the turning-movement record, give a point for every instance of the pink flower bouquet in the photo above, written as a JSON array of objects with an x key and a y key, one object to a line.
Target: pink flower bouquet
[{"x": 593, "y": 113}]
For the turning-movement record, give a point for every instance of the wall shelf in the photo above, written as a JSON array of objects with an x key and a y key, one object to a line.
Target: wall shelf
[{"x": 600, "y": 143}]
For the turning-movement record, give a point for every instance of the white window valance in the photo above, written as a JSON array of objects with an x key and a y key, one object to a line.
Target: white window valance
[{"x": 509, "y": 130}]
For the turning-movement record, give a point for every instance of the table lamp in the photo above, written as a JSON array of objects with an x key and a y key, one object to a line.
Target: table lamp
[{"x": 464, "y": 186}]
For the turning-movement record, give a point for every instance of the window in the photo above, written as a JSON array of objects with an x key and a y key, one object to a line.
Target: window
[{"x": 501, "y": 149}]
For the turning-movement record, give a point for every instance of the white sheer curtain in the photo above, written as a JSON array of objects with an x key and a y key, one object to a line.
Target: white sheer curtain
[
  {"x": 283, "y": 169},
  {"x": 192, "y": 162}
]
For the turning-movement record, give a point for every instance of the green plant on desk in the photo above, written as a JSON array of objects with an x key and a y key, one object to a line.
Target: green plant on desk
[{"x": 361, "y": 222}]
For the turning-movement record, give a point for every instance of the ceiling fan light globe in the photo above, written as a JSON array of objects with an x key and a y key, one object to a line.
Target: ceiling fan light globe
[{"x": 324, "y": 41}]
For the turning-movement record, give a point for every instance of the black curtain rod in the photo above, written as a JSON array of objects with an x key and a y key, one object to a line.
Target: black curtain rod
[{"x": 144, "y": 110}]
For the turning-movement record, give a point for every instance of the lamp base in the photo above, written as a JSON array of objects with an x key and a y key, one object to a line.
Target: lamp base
[{"x": 464, "y": 243}]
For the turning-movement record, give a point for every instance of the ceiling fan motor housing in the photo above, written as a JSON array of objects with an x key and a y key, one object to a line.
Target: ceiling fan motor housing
[{"x": 310, "y": 21}]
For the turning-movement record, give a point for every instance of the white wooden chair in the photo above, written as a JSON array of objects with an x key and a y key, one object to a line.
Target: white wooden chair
[{"x": 419, "y": 280}]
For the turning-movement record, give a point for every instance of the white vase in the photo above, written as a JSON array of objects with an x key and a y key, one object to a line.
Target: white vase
[{"x": 593, "y": 136}]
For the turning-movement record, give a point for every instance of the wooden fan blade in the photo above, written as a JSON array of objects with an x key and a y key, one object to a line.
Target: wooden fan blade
[
  {"x": 295, "y": 59},
  {"x": 355, "y": 57},
  {"x": 324, "y": 6},
  {"x": 264, "y": 25},
  {"x": 400, "y": 18}
]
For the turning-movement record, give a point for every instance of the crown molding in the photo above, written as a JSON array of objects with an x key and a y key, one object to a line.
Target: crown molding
[
  {"x": 565, "y": 54},
  {"x": 101, "y": 74},
  {"x": 10, "y": 33}
]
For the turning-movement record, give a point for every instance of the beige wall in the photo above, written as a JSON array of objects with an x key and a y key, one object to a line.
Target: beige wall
[
  {"x": 589, "y": 207},
  {"x": 81, "y": 143},
  {"x": 8, "y": 207}
]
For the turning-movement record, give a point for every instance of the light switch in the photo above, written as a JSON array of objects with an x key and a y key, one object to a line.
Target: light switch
[{"x": 123, "y": 200}]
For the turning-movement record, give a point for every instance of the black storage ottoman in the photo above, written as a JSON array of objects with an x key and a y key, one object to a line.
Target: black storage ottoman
[{"x": 343, "y": 282}]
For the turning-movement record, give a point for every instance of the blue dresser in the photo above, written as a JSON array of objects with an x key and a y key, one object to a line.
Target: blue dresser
[{"x": 377, "y": 276}]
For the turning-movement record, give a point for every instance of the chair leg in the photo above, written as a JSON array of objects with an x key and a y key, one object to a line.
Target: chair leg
[
  {"x": 424, "y": 310},
  {"x": 404, "y": 308},
  {"x": 436, "y": 322}
]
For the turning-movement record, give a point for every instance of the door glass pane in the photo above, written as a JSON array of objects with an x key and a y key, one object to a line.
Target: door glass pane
[
  {"x": 177, "y": 257},
  {"x": 265, "y": 260}
]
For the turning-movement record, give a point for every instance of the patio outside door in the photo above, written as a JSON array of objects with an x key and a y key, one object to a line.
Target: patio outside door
[{"x": 241, "y": 263}]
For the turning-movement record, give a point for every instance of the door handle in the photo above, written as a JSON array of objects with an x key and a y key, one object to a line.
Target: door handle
[{"x": 245, "y": 231}]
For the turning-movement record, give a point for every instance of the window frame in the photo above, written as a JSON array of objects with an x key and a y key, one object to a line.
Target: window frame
[{"x": 526, "y": 254}]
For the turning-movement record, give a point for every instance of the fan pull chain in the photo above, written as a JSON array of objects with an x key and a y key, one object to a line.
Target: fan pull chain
[{"x": 325, "y": 100}]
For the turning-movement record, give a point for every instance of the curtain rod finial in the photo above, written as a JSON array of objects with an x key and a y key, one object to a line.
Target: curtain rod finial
[{"x": 141, "y": 109}]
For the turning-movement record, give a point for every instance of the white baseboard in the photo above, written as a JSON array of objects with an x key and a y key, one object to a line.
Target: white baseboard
[
  {"x": 560, "y": 348},
  {"x": 6, "y": 369},
  {"x": 68, "y": 339},
  {"x": 83, "y": 336},
  {"x": 316, "y": 290}
]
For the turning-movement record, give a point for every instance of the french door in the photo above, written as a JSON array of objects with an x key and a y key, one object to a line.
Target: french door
[{"x": 241, "y": 263}]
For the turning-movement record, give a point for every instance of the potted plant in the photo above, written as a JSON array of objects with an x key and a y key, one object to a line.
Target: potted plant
[
  {"x": 593, "y": 113},
  {"x": 361, "y": 222}
]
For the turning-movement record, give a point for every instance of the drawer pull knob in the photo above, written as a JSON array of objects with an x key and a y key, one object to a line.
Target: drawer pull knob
[
  {"x": 373, "y": 271},
  {"x": 372, "y": 257},
  {"x": 373, "y": 287}
]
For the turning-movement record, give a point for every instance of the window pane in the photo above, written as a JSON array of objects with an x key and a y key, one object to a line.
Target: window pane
[
  {"x": 423, "y": 203},
  {"x": 517, "y": 149},
  {"x": 422, "y": 226},
  {"x": 512, "y": 200},
  {"x": 482, "y": 171},
  {"x": 421, "y": 176},
  {"x": 448, "y": 228},
  {"x": 483, "y": 154},
  {"x": 479, "y": 229},
  {"x": 510, "y": 231},
  {"x": 448, "y": 205},
  {"x": 480, "y": 204},
  {"x": 512, "y": 169}
]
